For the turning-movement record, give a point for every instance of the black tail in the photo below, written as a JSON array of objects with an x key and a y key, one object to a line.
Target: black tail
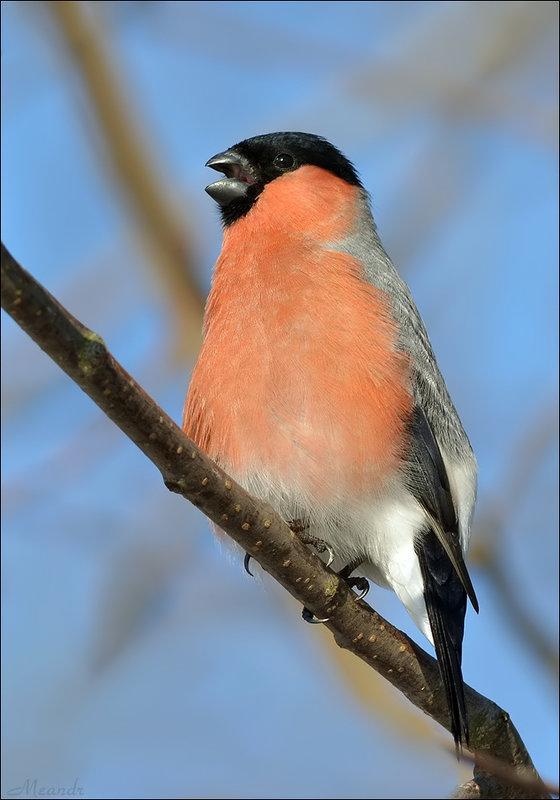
[{"x": 446, "y": 603}]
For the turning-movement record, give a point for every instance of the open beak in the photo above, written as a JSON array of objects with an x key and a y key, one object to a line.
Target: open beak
[{"x": 239, "y": 176}]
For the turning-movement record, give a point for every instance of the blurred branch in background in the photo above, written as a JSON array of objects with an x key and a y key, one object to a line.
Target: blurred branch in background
[
  {"x": 164, "y": 230},
  {"x": 486, "y": 49},
  {"x": 498, "y": 514}
]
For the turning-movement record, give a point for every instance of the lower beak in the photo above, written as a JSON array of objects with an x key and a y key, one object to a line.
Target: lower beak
[
  {"x": 239, "y": 177},
  {"x": 227, "y": 190}
]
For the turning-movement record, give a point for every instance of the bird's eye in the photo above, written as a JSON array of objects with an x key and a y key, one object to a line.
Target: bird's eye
[{"x": 284, "y": 161}]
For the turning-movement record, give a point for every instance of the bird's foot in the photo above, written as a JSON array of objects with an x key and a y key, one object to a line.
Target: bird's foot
[
  {"x": 362, "y": 584},
  {"x": 298, "y": 525},
  {"x": 299, "y": 528}
]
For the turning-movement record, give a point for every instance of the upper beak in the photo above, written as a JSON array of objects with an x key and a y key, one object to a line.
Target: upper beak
[{"x": 239, "y": 176}]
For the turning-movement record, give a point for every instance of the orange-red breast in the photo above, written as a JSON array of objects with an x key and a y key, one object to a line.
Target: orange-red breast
[{"x": 317, "y": 389}]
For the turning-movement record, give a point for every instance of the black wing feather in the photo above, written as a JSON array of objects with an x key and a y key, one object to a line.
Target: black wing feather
[
  {"x": 446, "y": 602},
  {"x": 444, "y": 574},
  {"x": 428, "y": 482}
]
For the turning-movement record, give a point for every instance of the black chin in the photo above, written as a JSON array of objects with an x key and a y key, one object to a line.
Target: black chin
[{"x": 239, "y": 207}]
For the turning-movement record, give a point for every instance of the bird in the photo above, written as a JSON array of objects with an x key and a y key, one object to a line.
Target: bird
[{"x": 318, "y": 391}]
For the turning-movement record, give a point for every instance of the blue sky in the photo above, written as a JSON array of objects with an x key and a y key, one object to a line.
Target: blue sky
[{"x": 138, "y": 657}]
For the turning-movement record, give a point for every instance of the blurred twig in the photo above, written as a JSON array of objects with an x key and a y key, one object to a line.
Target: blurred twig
[
  {"x": 489, "y": 40},
  {"x": 256, "y": 527},
  {"x": 494, "y": 521},
  {"x": 163, "y": 229},
  {"x": 486, "y": 766}
]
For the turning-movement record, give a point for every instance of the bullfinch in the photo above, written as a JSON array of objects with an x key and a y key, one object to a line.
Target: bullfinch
[{"x": 317, "y": 388}]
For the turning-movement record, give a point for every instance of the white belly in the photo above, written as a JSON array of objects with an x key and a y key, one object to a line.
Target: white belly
[{"x": 379, "y": 531}]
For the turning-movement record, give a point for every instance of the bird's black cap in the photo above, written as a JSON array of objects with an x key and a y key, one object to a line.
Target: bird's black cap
[{"x": 251, "y": 164}]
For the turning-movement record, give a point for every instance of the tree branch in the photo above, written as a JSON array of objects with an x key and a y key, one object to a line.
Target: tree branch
[
  {"x": 134, "y": 165},
  {"x": 254, "y": 525}
]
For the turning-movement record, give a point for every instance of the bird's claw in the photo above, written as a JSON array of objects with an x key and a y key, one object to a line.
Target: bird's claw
[
  {"x": 298, "y": 527},
  {"x": 310, "y": 617},
  {"x": 246, "y": 562},
  {"x": 329, "y": 550},
  {"x": 362, "y": 584}
]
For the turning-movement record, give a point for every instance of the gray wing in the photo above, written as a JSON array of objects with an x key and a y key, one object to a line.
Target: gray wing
[
  {"x": 428, "y": 387},
  {"x": 435, "y": 423}
]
